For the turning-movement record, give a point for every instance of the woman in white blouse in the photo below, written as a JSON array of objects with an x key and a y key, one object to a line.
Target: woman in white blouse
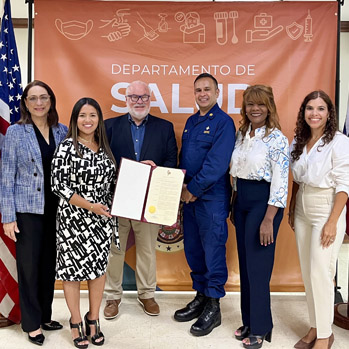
[
  {"x": 259, "y": 167},
  {"x": 320, "y": 168}
]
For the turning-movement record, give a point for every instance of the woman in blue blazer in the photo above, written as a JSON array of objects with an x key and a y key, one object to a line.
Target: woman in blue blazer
[{"x": 28, "y": 207}]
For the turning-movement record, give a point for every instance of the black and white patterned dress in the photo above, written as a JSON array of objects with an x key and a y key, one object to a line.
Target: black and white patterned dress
[{"x": 83, "y": 238}]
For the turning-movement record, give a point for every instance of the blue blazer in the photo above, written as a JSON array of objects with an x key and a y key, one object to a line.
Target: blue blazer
[
  {"x": 20, "y": 189},
  {"x": 159, "y": 142}
]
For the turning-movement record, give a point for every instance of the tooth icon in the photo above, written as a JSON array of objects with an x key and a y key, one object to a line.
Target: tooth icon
[{"x": 74, "y": 30}]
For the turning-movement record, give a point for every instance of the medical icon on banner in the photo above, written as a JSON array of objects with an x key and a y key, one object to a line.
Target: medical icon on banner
[
  {"x": 74, "y": 30},
  {"x": 234, "y": 15},
  {"x": 193, "y": 30},
  {"x": 221, "y": 19},
  {"x": 222, "y": 24},
  {"x": 119, "y": 24},
  {"x": 163, "y": 25},
  {"x": 149, "y": 32},
  {"x": 308, "y": 33},
  {"x": 263, "y": 29},
  {"x": 294, "y": 30}
]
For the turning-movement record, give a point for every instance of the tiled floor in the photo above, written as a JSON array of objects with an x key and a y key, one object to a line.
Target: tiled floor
[{"x": 133, "y": 329}]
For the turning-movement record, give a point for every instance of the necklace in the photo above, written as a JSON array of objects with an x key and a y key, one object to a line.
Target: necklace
[
  {"x": 316, "y": 138},
  {"x": 85, "y": 140}
]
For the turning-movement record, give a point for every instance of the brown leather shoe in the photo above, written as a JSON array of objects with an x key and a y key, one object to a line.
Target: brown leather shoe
[
  {"x": 304, "y": 345},
  {"x": 149, "y": 305},
  {"x": 111, "y": 310}
]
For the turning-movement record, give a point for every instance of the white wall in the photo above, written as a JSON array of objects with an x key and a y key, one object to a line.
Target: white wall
[{"x": 20, "y": 10}]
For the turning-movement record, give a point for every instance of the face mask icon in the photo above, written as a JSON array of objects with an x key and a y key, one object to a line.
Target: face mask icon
[{"x": 74, "y": 30}]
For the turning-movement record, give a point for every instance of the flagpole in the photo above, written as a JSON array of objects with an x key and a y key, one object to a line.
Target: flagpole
[{"x": 30, "y": 38}]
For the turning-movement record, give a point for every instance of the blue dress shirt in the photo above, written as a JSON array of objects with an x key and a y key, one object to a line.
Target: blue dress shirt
[{"x": 137, "y": 135}]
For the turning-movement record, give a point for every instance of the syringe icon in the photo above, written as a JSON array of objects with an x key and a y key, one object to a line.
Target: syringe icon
[{"x": 308, "y": 32}]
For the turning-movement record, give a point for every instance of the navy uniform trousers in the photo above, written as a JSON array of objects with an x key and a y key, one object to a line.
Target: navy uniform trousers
[
  {"x": 205, "y": 234},
  {"x": 256, "y": 261}
]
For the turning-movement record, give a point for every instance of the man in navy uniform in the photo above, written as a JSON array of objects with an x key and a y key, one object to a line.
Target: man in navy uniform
[
  {"x": 207, "y": 144},
  {"x": 139, "y": 136}
]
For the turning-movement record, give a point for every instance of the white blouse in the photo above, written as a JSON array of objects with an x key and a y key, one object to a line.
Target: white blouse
[
  {"x": 263, "y": 158},
  {"x": 324, "y": 167}
]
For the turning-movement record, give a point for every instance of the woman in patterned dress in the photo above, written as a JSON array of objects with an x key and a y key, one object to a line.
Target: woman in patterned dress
[
  {"x": 259, "y": 167},
  {"x": 83, "y": 173}
]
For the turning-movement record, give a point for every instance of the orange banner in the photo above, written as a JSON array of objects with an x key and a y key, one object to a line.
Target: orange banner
[{"x": 96, "y": 48}]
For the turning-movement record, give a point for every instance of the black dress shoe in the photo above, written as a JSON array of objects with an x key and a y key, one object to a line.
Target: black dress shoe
[
  {"x": 192, "y": 309},
  {"x": 38, "y": 339},
  {"x": 51, "y": 326},
  {"x": 208, "y": 320}
]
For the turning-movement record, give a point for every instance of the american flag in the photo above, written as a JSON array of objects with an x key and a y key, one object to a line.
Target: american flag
[{"x": 10, "y": 95}]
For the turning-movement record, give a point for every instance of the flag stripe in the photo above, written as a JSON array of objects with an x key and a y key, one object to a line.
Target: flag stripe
[
  {"x": 10, "y": 95},
  {"x": 8, "y": 260},
  {"x": 3, "y": 125},
  {"x": 4, "y": 111},
  {"x": 6, "y": 305}
]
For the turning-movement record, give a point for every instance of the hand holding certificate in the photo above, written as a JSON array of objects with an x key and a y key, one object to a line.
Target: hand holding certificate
[{"x": 149, "y": 194}]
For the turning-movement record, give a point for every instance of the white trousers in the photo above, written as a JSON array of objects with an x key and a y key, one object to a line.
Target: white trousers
[{"x": 318, "y": 264}]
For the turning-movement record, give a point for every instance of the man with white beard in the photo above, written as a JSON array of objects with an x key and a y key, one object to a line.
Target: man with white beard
[{"x": 139, "y": 136}]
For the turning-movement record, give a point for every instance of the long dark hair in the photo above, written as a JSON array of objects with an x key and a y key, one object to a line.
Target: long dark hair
[
  {"x": 260, "y": 94},
  {"x": 100, "y": 136},
  {"x": 52, "y": 116},
  {"x": 303, "y": 131}
]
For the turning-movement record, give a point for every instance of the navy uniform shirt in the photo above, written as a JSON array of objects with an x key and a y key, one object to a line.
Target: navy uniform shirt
[{"x": 207, "y": 144}]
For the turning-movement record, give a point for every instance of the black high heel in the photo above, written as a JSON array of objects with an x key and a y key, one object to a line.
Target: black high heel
[
  {"x": 98, "y": 334},
  {"x": 254, "y": 343},
  {"x": 81, "y": 337},
  {"x": 245, "y": 331}
]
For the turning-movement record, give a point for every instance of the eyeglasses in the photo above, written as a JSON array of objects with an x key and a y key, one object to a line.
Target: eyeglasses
[
  {"x": 34, "y": 99},
  {"x": 135, "y": 98}
]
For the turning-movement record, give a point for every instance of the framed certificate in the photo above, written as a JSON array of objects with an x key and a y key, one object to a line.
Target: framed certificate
[{"x": 146, "y": 193}]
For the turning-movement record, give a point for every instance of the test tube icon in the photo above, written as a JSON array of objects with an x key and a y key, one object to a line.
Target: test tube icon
[
  {"x": 221, "y": 27},
  {"x": 308, "y": 31}
]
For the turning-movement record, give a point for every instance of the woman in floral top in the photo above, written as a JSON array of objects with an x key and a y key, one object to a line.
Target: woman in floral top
[{"x": 259, "y": 167}]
